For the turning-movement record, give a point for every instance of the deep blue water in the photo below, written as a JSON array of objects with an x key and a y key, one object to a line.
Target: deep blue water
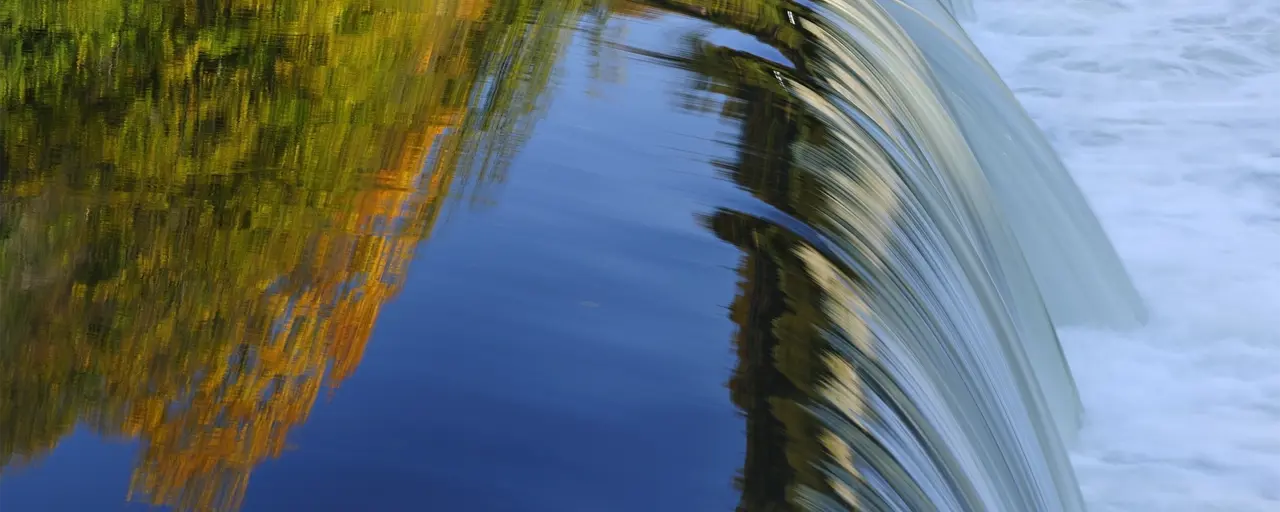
[{"x": 562, "y": 343}]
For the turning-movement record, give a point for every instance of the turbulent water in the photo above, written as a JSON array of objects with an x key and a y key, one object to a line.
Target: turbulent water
[
  {"x": 1165, "y": 113},
  {"x": 545, "y": 208}
]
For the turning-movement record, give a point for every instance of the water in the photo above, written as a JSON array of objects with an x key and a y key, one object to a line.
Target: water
[{"x": 509, "y": 255}]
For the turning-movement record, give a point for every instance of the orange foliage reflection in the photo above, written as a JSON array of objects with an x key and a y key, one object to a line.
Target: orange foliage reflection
[{"x": 201, "y": 459}]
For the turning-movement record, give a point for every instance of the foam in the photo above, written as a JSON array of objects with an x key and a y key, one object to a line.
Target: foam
[{"x": 1167, "y": 113}]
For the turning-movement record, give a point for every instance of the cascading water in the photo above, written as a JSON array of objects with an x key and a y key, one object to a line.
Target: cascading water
[{"x": 946, "y": 241}]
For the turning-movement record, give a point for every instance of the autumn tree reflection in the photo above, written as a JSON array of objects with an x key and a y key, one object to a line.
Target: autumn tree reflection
[{"x": 206, "y": 204}]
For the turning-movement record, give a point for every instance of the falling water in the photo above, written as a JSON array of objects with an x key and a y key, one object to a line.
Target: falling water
[{"x": 947, "y": 242}]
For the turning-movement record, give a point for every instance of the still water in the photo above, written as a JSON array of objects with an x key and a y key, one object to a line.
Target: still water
[
  {"x": 340, "y": 255},
  {"x": 506, "y": 255}
]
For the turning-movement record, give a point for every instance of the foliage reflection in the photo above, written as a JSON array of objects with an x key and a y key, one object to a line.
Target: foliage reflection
[{"x": 204, "y": 204}]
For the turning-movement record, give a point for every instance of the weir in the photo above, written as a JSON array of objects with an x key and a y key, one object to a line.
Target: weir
[{"x": 942, "y": 241}]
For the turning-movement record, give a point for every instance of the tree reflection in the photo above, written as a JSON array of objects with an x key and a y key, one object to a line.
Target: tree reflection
[
  {"x": 779, "y": 340},
  {"x": 206, "y": 203}
]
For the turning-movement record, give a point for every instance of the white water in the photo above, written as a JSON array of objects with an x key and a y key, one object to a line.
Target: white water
[{"x": 1167, "y": 113}]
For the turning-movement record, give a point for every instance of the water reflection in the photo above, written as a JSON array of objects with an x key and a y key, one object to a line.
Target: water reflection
[
  {"x": 784, "y": 363},
  {"x": 205, "y": 204},
  {"x": 778, "y": 339}
]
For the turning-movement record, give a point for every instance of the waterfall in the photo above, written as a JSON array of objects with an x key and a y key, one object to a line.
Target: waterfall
[{"x": 945, "y": 241}]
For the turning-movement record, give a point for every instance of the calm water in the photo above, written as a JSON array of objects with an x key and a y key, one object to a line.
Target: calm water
[
  {"x": 345, "y": 255},
  {"x": 507, "y": 255}
]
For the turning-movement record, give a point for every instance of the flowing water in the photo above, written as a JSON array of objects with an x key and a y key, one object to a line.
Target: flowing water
[{"x": 576, "y": 255}]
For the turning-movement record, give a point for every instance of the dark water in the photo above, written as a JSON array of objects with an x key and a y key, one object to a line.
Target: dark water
[{"x": 394, "y": 255}]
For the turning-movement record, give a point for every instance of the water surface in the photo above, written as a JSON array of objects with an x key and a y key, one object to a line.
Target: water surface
[{"x": 317, "y": 256}]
